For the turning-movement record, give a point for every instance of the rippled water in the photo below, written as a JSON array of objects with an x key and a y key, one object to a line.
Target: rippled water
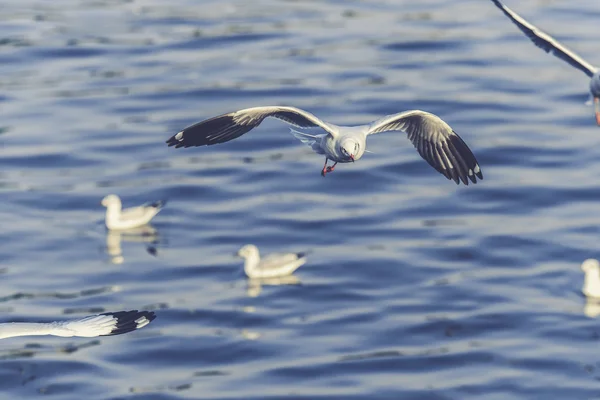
[{"x": 415, "y": 288}]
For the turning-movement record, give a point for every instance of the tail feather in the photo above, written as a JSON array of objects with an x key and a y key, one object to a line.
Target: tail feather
[{"x": 304, "y": 137}]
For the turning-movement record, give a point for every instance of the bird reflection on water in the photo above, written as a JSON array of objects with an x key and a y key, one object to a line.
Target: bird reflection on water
[
  {"x": 255, "y": 285},
  {"x": 591, "y": 308},
  {"x": 143, "y": 234}
]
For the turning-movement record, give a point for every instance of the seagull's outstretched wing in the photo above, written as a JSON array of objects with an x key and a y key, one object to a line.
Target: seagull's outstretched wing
[
  {"x": 107, "y": 324},
  {"x": 547, "y": 42},
  {"x": 435, "y": 141},
  {"x": 227, "y": 127}
]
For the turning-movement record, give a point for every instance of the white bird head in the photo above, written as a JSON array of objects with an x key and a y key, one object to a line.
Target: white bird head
[
  {"x": 248, "y": 250},
  {"x": 350, "y": 148},
  {"x": 590, "y": 264},
  {"x": 111, "y": 200}
]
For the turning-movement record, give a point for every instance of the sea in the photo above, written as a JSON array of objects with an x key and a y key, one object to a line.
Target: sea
[{"x": 414, "y": 287}]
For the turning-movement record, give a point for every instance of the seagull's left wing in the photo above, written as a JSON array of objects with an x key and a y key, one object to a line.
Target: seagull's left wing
[
  {"x": 226, "y": 127},
  {"x": 435, "y": 141},
  {"x": 107, "y": 324},
  {"x": 547, "y": 42}
]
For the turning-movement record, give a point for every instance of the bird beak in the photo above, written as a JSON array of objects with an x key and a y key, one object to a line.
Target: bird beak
[
  {"x": 352, "y": 155},
  {"x": 597, "y": 109}
]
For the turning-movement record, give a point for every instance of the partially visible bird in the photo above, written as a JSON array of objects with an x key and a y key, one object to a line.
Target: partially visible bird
[
  {"x": 551, "y": 45},
  {"x": 591, "y": 284},
  {"x": 118, "y": 218},
  {"x": 434, "y": 139},
  {"x": 107, "y": 324},
  {"x": 274, "y": 265}
]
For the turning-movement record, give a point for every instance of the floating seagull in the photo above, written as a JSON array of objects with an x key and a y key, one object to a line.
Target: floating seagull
[
  {"x": 116, "y": 218},
  {"x": 434, "y": 139},
  {"x": 274, "y": 265},
  {"x": 551, "y": 45},
  {"x": 591, "y": 285},
  {"x": 107, "y": 324}
]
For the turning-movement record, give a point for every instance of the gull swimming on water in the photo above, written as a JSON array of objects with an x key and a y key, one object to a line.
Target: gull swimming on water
[
  {"x": 591, "y": 285},
  {"x": 434, "y": 139},
  {"x": 274, "y": 265},
  {"x": 107, "y": 324},
  {"x": 551, "y": 45},
  {"x": 117, "y": 218}
]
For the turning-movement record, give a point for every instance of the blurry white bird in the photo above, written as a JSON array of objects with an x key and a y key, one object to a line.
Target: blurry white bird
[
  {"x": 551, "y": 45},
  {"x": 107, "y": 324},
  {"x": 591, "y": 284},
  {"x": 434, "y": 139},
  {"x": 274, "y": 265},
  {"x": 117, "y": 218}
]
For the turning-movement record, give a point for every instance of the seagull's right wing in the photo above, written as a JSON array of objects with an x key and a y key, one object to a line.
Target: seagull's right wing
[
  {"x": 229, "y": 126},
  {"x": 546, "y": 42},
  {"x": 107, "y": 324}
]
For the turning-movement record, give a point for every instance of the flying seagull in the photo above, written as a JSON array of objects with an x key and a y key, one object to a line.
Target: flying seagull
[
  {"x": 551, "y": 45},
  {"x": 274, "y": 265},
  {"x": 434, "y": 139},
  {"x": 117, "y": 218},
  {"x": 107, "y": 324}
]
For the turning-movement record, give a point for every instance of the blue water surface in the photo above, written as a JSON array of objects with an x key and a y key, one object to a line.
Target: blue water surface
[{"x": 415, "y": 288}]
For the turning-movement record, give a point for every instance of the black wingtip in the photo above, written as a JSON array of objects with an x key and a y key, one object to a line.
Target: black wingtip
[
  {"x": 220, "y": 129},
  {"x": 126, "y": 320},
  {"x": 498, "y": 4},
  {"x": 469, "y": 169},
  {"x": 172, "y": 141},
  {"x": 300, "y": 255},
  {"x": 158, "y": 204},
  {"x": 180, "y": 139}
]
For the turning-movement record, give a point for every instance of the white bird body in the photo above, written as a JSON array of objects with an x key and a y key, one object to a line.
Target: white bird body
[
  {"x": 435, "y": 140},
  {"x": 551, "y": 45},
  {"x": 122, "y": 219},
  {"x": 107, "y": 324},
  {"x": 274, "y": 265},
  {"x": 591, "y": 284}
]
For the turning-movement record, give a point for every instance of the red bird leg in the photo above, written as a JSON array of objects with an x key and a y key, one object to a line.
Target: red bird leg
[
  {"x": 597, "y": 109},
  {"x": 330, "y": 169},
  {"x": 325, "y": 168}
]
